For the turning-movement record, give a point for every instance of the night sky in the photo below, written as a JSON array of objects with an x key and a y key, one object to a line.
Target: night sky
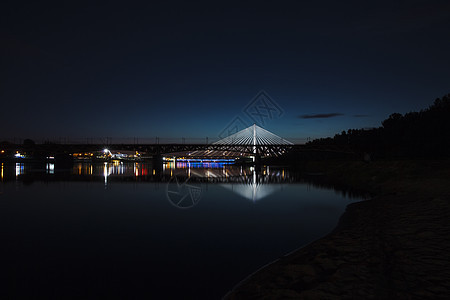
[{"x": 191, "y": 70}]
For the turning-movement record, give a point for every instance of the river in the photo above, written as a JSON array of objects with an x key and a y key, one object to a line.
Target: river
[{"x": 131, "y": 231}]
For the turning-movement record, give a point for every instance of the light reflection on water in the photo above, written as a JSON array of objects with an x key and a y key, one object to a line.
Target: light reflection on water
[
  {"x": 19, "y": 169},
  {"x": 50, "y": 168},
  {"x": 253, "y": 180},
  {"x": 212, "y": 171}
]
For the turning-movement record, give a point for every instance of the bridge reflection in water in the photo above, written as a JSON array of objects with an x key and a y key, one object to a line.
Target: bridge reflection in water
[{"x": 250, "y": 182}]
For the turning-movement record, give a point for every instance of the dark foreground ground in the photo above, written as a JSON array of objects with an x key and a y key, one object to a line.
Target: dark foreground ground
[{"x": 394, "y": 246}]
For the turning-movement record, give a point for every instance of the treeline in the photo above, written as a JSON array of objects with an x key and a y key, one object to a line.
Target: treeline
[{"x": 423, "y": 134}]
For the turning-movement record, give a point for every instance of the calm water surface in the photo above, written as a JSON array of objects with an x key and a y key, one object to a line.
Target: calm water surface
[{"x": 128, "y": 230}]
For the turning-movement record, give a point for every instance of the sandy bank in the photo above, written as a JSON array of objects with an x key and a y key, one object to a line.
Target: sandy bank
[{"x": 393, "y": 246}]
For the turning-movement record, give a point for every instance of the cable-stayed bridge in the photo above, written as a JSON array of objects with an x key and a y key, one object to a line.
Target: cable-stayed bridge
[{"x": 253, "y": 141}]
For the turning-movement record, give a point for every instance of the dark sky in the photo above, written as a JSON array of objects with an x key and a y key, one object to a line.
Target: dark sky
[{"x": 184, "y": 69}]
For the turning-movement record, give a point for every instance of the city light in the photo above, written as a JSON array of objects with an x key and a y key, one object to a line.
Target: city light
[{"x": 18, "y": 155}]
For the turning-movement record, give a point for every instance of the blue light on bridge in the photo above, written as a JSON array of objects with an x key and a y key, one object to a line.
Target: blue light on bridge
[
  {"x": 203, "y": 163},
  {"x": 211, "y": 160}
]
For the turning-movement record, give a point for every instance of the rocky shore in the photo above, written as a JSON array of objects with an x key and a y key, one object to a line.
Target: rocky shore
[{"x": 394, "y": 246}]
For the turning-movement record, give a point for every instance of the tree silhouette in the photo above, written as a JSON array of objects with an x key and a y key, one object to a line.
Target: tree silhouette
[{"x": 416, "y": 134}]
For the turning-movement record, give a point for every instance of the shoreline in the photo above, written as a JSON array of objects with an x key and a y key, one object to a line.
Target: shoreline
[
  {"x": 394, "y": 245},
  {"x": 248, "y": 277}
]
